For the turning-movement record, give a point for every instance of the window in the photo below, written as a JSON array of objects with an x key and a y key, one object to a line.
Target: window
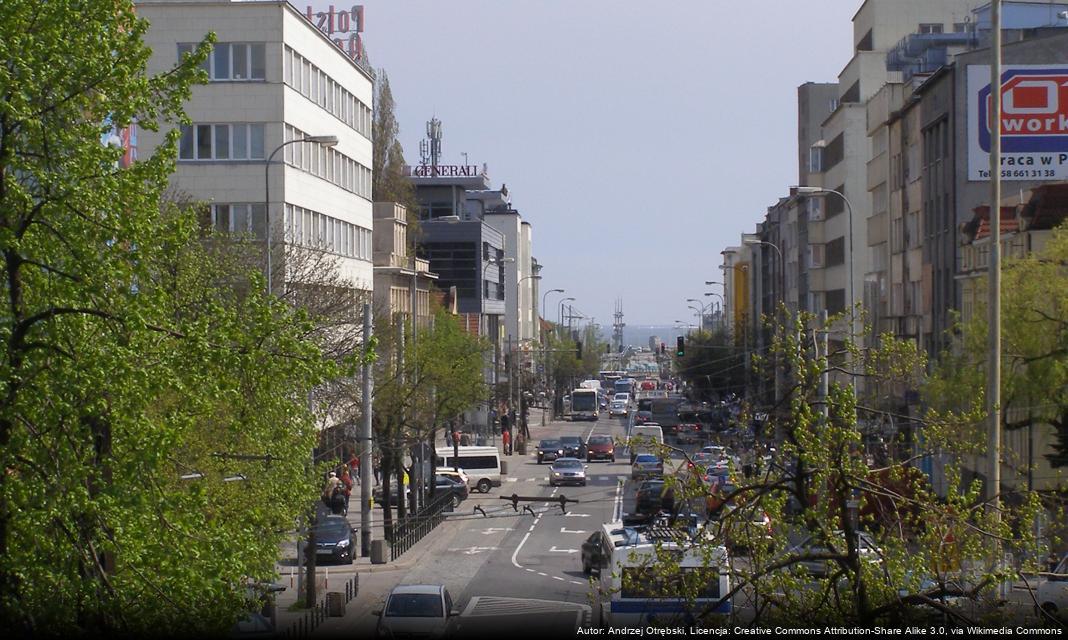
[
  {"x": 930, "y": 27},
  {"x": 234, "y": 61},
  {"x": 815, "y": 159},
  {"x": 816, "y": 256},
  {"x": 240, "y": 219},
  {"x": 815, "y": 209},
  {"x": 314, "y": 84},
  {"x": 836, "y": 252},
  {"x": 221, "y": 142},
  {"x": 833, "y": 204},
  {"x": 834, "y": 152},
  {"x": 836, "y": 301}
]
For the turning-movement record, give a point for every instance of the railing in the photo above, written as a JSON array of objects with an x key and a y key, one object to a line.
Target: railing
[
  {"x": 306, "y": 624},
  {"x": 411, "y": 530}
]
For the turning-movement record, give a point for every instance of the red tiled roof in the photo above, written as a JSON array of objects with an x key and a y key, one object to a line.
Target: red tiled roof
[{"x": 1009, "y": 222}]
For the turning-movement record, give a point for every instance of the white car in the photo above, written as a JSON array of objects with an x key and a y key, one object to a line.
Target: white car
[
  {"x": 1053, "y": 591},
  {"x": 416, "y": 610}
]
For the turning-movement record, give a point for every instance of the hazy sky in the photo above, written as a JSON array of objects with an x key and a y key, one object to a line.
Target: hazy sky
[{"x": 638, "y": 138}]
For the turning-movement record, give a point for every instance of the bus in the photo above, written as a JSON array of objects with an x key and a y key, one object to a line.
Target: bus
[
  {"x": 633, "y": 595},
  {"x": 584, "y": 405}
]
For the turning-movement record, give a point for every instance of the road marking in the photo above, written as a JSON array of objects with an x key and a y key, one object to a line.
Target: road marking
[
  {"x": 558, "y": 578},
  {"x": 491, "y": 530},
  {"x": 496, "y": 606},
  {"x": 577, "y": 582},
  {"x": 531, "y": 528},
  {"x": 543, "y": 574},
  {"x": 470, "y": 551},
  {"x": 516, "y": 552},
  {"x": 511, "y": 479},
  {"x": 617, "y": 513},
  {"x": 577, "y": 515},
  {"x": 553, "y": 549},
  {"x": 563, "y": 530}
]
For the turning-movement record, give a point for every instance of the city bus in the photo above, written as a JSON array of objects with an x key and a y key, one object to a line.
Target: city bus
[
  {"x": 584, "y": 405},
  {"x": 633, "y": 595}
]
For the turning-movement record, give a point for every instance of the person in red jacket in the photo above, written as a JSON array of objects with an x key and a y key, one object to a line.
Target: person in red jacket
[{"x": 506, "y": 442}]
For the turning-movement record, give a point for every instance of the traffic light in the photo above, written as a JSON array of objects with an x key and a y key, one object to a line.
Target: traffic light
[
  {"x": 680, "y": 346},
  {"x": 578, "y": 349}
]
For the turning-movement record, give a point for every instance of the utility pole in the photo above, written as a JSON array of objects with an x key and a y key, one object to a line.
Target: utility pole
[
  {"x": 993, "y": 485},
  {"x": 366, "y": 442}
]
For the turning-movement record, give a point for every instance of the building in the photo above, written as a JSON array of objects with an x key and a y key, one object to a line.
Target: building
[
  {"x": 274, "y": 80},
  {"x": 402, "y": 282}
]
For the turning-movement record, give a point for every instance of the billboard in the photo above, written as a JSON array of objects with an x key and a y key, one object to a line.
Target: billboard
[{"x": 1034, "y": 122}]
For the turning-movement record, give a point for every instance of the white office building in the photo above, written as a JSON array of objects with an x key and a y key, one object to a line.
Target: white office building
[{"x": 274, "y": 79}]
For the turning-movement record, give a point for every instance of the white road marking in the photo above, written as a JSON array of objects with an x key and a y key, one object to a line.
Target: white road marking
[
  {"x": 576, "y": 515},
  {"x": 563, "y": 530},
  {"x": 491, "y": 530},
  {"x": 543, "y": 574},
  {"x": 516, "y": 552},
  {"x": 554, "y": 549},
  {"x": 470, "y": 551},
  {"x": 617, "y": 513},
  {"x": 558, "y": 578},
  {"x": 511, "y": 479}
]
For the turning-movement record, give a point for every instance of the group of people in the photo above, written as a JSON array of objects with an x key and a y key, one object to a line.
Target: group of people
[{"x": 338, "y": 490}]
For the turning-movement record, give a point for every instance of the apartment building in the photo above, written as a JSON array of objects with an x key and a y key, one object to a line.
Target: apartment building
[{"x": 403, "y": 282}]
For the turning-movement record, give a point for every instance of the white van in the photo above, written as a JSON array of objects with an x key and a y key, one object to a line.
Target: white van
[
  {"x": 481, "y": 464},
  {"x": 646, "y": 438}
]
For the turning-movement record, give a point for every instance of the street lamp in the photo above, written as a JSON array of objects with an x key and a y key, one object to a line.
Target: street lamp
[
  {"x": 701, "y": 324},
  {"x": 560, "y": 315},
  {"x": 782, "y": 265},
  {"x": 546, "y": 295},
  {"x": 325, "y": 141},
  {"x": 803, "y": 190}
]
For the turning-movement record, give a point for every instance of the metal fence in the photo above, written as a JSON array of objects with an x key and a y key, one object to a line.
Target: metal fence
[
  {"x": 407, "y": 532},
  {"x": 313, "y": 617}
]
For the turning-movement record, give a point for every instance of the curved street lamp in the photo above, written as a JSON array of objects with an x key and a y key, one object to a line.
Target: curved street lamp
[{"x": 324, "y": 141}]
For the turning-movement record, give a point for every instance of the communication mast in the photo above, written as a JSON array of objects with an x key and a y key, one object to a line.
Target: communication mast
[
  {"x": 617, "y": 326},
  {"x": 430, "y": 147}
]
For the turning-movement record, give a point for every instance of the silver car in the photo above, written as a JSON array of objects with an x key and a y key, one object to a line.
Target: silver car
[
  {"x": 416, "y": 610},
  {"x": 567, "y": 471}
]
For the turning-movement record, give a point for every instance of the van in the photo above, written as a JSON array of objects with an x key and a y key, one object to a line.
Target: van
[
  {"x": 481, "y": 464},
  {"x": 649, "y": 439}
]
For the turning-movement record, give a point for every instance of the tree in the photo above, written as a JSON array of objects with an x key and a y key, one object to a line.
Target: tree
[
  {"x": 390, "y": 182},
  {"x": 820, "y": 483},
  {"x": 138, "y": 357},
  {"x": 713, "y": 366}
]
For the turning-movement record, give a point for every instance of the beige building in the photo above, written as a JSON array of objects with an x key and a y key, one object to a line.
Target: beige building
[
  {"x": 274, "y": 80},
  {"x": 402, "y": 281}
]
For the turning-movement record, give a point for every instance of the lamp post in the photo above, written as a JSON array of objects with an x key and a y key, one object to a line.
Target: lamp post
[
  {"x": 782, "y": 283},
  {"x": 519, "y": 351},
  {"x": 803, "y": 190},
  {"x": 560, "y": 315},
  {"x": 722, "y": 301},
  {"x": 325, "y": 141},
  {"x": 700, "y": 312}
]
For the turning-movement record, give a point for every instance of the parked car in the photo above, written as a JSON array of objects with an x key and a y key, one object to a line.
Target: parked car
[
  {"x": 457, "y": 474},
  {"x": 646, "y": 465},
  {"x": 416, "y": 611},
  {"x": 866, "y": 547},
  {"x": 573, "y": 446},
  {"x": 600, "y": 448},
  {"x": 1053, "y": 592},
  {"x": 654, "y": 496},
  {"x": 452, "y": 486},
  {"x": 549, "y": 450},
  {"x": 567, "y": 471},
  {"x": 335, "y": 539}
]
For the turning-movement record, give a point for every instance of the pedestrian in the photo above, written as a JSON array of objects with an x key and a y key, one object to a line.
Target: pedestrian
[
  {"x": 465, "y": 440},
  {"x": 506, "y": 442},
  {"x": 332, "y": 483},
  {"x": 346, "y": 481},
  {"x": 377, "y": 467},
  {"x": 354, "y": 465}
]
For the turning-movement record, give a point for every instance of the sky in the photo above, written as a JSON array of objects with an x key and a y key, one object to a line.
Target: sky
[{"x": 639, "y": 139}]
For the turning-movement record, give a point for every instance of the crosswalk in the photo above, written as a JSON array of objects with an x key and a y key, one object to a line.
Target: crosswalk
[
  {"x": 485, "y": 606},
  {"x": 606, "y": 479}
]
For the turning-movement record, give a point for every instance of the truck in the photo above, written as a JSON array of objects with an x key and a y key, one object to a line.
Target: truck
[{"x": 584, "y": 405}]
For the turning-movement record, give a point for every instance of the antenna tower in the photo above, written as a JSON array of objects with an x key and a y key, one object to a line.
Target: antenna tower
[
  {"x": 430, "y": 147},
  {"x": 617, "y": 326}
]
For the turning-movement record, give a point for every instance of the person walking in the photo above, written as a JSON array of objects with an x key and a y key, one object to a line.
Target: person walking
[
  {"x": 377, "y": 467},
  {"x": 332, "y": 483},
  {"x": 346, "y": 486},
  {"x": 506, "y": 442}
]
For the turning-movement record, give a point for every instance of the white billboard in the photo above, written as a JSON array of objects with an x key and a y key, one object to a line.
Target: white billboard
[{"x": 1034, "y": 122}]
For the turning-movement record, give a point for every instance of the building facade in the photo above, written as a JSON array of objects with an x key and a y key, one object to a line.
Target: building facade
[
  {"x": 274, "y": 79},
  {"x": 402, "y": 282}
]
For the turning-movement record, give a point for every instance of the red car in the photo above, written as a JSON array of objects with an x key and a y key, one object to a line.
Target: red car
[
  {"x": 688, "y": 432},
  {"x": 600, "y": 448}
]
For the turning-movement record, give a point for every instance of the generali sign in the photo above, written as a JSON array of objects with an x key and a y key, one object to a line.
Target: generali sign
[
  {"x": 346, "y": 23},
  {"x": 444, "y": 170}
]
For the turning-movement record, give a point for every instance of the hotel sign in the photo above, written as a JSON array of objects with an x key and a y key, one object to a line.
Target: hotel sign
[
  {"x": 1034, "y": 122},
  {"x": 346, "y": 23}
]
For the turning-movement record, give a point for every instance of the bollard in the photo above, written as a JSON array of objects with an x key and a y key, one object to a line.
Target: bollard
[
  {"x": 504, "y": 467},
  {"x": 379, "y": 551}
]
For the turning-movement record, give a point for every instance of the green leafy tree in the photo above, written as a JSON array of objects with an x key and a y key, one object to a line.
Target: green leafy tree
[
  {"x": 134, "y": 350},
  {"x": 820, "y": 484},
  {"x": 713, "y": 365},
  {"x": 390, "y": 182}
]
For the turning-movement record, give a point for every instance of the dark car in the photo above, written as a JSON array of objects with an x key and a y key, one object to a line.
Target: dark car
[
  {"x": 654, "y": 496},
  {"x": 334, "y": 539},
  {"x": 600, "y": 448},
  {"x": 643, "y": 416},
  {"x": 573, "y": 446},
  {"x": 452, "y": 486},
  {"x": 549, "y": 450}
]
